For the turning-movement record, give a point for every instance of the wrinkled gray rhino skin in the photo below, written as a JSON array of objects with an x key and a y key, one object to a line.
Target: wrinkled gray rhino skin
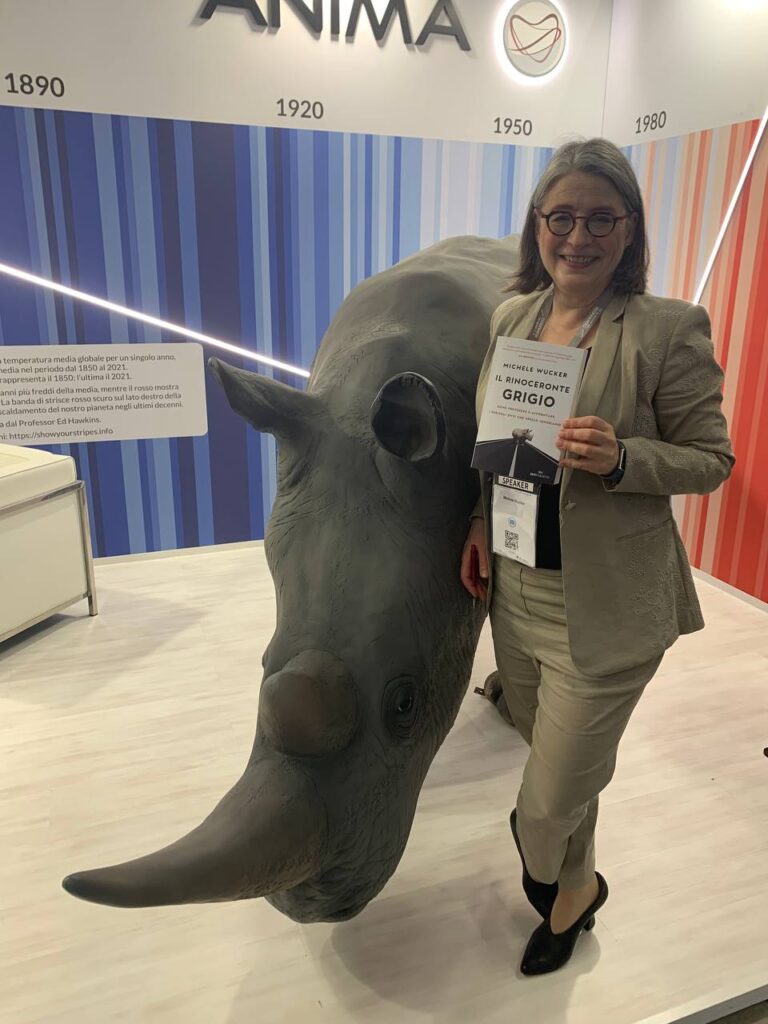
[{"x": 375, "y": 635}]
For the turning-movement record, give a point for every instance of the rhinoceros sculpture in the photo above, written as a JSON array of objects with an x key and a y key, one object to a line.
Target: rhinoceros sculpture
[{"x": 375, "y": 635}]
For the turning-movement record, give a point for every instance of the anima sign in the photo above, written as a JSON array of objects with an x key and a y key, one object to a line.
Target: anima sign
[
  {"x": 443, "y": 19},
  {"x": 420, "y": 69},
  {"x": 500, "y": 71}
]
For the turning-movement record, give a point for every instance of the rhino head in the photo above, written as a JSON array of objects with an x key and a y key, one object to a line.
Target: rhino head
[{"x": 369, "y": 661}]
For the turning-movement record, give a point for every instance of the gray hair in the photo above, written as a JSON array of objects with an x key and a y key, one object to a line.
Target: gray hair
[{"x": 593, "y": 156}]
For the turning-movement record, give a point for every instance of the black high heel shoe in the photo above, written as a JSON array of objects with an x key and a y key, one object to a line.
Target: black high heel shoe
[
  {"x": 547, "y": 952},
  {"x": 541, "y": 895}
]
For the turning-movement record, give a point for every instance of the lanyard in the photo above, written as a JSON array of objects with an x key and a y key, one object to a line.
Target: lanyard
[{"x": 585, "y": 328}]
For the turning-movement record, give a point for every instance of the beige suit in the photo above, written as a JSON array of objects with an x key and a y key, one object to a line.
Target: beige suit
[
  {"x": 576, "y": 649},
  {"x": 653, "y": 376}
]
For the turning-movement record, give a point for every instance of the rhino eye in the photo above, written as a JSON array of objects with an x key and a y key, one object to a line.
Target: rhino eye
[{"x": 401, "y": 708}]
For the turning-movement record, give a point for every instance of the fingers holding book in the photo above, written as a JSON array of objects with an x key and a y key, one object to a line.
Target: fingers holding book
[{"x": 588, "y": 443}]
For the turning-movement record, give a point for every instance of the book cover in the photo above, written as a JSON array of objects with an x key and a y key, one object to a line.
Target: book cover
[{"x": 532, "y": 387}]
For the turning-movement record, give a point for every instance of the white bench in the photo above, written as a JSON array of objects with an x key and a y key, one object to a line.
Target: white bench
[{"x": 46, "y": 562}]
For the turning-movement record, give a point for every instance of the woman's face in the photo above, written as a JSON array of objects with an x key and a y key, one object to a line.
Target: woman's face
[{"x": 579, "y": 264}]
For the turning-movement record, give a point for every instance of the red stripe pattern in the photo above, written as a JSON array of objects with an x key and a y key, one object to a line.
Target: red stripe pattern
[{"x": 726, "y": 533}]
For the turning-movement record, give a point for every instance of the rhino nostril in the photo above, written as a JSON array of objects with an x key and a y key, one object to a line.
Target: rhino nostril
[{"x": 310, "y": 707}]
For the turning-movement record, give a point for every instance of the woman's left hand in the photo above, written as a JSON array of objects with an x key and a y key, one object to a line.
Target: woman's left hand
[{"x": 589, "y": 443}]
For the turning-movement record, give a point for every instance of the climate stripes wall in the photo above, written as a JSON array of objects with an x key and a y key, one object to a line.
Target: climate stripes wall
[
  {"x": 256, "y": 235},
  {"x": 727, "y": 532},
  {"x": 688, "y": 183},
  {"x": 250, "y": 234}
]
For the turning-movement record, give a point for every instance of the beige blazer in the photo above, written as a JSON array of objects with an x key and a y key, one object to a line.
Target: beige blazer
[{"x": 652, "y": 375}]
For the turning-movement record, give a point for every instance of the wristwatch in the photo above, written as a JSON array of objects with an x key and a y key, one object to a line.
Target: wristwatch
[{"x": 615, "y": 477}]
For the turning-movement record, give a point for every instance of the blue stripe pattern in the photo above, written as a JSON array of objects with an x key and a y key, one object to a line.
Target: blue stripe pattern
[{"x": 250, "y": 234}]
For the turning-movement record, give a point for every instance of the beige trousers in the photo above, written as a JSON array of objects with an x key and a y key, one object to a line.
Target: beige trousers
[{"x": 572, "y": 723}]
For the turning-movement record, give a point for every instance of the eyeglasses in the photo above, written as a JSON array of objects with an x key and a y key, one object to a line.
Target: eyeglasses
[{"x": 561, "y": 223}]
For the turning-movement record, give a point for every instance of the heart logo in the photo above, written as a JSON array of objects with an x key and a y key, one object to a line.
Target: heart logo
[{"x": 534, "y": 37}]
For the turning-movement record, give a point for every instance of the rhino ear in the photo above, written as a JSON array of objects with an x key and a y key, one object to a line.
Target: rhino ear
[
  {"x": 407, "y": 418},
  {"x": 266, "y": 404}
]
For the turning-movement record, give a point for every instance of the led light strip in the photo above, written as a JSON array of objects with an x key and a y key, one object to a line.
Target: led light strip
[
  {"x": 729, "y": 212},
  {"x": 165, "y": 325}
]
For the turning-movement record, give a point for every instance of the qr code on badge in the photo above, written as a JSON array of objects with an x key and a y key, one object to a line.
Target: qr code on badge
[{"x": 510, "y": 540}]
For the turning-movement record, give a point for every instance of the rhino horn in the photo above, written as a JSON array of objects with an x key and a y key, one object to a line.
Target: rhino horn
[
  {"x": 266, "y": 404},
  {"x": 268, "y": 834}
]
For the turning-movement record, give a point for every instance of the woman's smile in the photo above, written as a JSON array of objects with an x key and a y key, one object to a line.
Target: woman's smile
[{"x": 578, "y": 262}]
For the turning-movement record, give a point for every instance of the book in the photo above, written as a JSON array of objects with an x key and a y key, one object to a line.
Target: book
[{"x": 532, "y": 387}]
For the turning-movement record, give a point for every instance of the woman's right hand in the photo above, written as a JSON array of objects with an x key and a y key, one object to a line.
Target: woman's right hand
[{"x": 476, "y": 538}]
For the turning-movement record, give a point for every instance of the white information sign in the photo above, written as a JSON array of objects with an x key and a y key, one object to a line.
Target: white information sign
[{"x": 59, "y": 394}]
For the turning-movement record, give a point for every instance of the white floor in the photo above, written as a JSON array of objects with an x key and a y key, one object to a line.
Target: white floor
[{"x": 119, "y": 733}]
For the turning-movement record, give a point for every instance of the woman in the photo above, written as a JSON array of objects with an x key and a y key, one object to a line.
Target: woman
[{"x": 578, "y": 637}]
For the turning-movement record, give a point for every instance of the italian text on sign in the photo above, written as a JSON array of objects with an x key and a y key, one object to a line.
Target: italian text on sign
[{"x": 59, "y": 394}]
